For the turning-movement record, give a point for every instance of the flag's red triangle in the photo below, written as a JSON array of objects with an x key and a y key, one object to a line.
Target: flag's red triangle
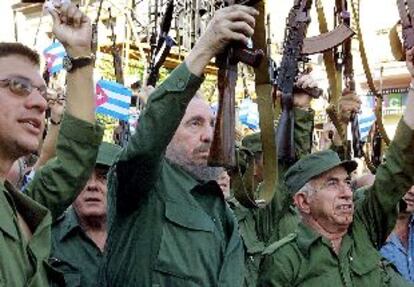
[{"x": 101, "y": 97}]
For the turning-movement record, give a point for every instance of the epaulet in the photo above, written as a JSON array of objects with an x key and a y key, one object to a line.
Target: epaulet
[
  {"x": 276, "y": 245},
  {"x": 61, "y": 217}
]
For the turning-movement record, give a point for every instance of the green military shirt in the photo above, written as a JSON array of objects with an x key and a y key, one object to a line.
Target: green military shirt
[
  {"x": 307, "y": 258},
  {"x": 54, "y": 187},
  {"x": 253, "y": 246},
  {"x": 74, "y": 253},
  {"x": 260, "y": 227},
  {"x": 166, "y": 228}
]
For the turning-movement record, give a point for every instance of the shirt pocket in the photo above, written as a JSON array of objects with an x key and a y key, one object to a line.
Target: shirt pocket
[
  {"x": 368, "y": 270},
  {"x": 184, "y": 252},
  {"x": 69, "y": 274}
]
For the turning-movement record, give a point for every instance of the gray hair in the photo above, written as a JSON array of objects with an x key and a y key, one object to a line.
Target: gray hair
[{"x": 307, "y": 189}]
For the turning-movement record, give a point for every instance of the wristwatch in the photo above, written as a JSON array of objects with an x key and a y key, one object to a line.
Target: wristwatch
[{"x": 71, "y": 64}]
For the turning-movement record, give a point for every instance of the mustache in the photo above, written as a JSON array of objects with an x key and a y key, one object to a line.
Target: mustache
[{"x": 205, "y": 147}]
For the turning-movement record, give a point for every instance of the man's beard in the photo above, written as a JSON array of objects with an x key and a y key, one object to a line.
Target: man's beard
[{"x": 201, "y": 171}]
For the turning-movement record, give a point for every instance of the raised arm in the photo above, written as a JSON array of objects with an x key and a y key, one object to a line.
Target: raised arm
[
  {"x": 58, "y": 183},
  {"x": 394, "y": 177},
  {"x": 139, "y": 164}
]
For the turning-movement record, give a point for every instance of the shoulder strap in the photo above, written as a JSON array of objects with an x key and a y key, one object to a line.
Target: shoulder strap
[{"x": 276, "y": 245}]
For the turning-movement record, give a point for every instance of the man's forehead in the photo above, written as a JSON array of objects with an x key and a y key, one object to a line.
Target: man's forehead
[
  {"x": 199, "y": 107},
  {"x": 337, "y": 172},
  {"x": 21, "y": 67}
]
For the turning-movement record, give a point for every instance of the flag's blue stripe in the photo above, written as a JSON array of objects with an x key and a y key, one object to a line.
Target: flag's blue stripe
[
  {"x": 53, "y": 46},
  {"x": 118, "y": 103},
  {"x": 366, "y": 119},
  {"x": 115, "y": 87},
  {"x": 111, "y": 113},
  {"x": 365, "y": 129},
  {"x": 56, "y": 69}
]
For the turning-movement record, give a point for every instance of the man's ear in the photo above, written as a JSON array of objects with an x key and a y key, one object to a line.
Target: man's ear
[{"x": 301, "y": 200}]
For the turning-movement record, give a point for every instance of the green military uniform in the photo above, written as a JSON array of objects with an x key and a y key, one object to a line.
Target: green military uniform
[
  {"x": 167, "y": 229},
  {"x": 260, "y": 227},
  {"x": 307, "y": 259},
  {"x": 73, "y": 252},
  {"x": 54, "y": 187}
]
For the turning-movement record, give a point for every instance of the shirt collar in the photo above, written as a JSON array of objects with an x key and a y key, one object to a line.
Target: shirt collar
[
  {"x": 181, "y": 176},
  {"x": 306, "y": 237},
  {"x": 394, "y": 240},
  {"x": 71, "y": 223},
  {"x": 8, "y": 212},
  {"x": 412, "y": 220}
]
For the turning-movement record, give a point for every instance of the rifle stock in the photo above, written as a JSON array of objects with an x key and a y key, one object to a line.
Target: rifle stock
[{"x": 222, "y": 150}]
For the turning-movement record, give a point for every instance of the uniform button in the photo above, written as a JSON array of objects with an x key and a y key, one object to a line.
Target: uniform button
[
  {"x": 351, "y": 258},
  {"x": 180, "y": 84},
  {"x": 214, "y": 220}
]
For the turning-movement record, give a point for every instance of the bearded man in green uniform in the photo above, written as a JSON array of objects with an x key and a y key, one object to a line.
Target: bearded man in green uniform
[
  {"x": 337, "y": 243},
  {"x": 26, "y": 218},
  {"x": 169, "y": 222},
  {"x": 79, "y": 235}
]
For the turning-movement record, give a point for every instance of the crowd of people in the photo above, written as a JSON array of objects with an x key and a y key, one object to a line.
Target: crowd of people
[{"x": 90, "y": 213}]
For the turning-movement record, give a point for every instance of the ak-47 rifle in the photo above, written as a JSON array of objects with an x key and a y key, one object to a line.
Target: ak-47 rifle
[
  {"x": 364, "y": 59},
  {"x": 295, "y": 33},
  {"x": 160, "y": 48},
  {"x": 295, "y": 48},
  {"x": 345, "y": 59},
  {"x": 222, "y": 150}
]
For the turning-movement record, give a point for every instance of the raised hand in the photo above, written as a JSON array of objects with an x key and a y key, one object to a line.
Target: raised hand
[
  {"x": 56, "y": 103},
  {"x": 72, "y": 28},
  {"x": 231, "y": 24},
  {"x": 348, "y": 104},
  {"x": 302, "y": 100}
]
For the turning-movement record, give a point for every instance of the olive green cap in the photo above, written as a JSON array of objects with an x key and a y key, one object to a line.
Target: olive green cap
[
  {"x": 313, "y": 165},
  {"x": 107, "y": 154},
  {"x": 252, "y": 142}
]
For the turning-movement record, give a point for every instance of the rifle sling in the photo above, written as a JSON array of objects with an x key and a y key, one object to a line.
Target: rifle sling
[
  {"x": 246, "y": 193},
  {"x": 329, "y": 61},
  {"x": 266, "y": 111},
  {"x": 396, "y": 45},
  {"x": 243, "y": 185},
  {"x": 368, "y": 75}
]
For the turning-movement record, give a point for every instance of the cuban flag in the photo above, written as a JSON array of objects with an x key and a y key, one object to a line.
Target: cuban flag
[
  {"x": 54, "y": 55},
  {"x": 249, "y": 114},
  {"x": 113, "y": 99},
  {"x": 365, "y": 120}
]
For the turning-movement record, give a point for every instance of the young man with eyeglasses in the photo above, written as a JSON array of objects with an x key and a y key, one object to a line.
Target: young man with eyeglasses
[{"x": 25, "y": 218}]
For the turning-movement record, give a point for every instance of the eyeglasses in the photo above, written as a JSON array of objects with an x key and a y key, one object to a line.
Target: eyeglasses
[{"x": 22, "y": 87}]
